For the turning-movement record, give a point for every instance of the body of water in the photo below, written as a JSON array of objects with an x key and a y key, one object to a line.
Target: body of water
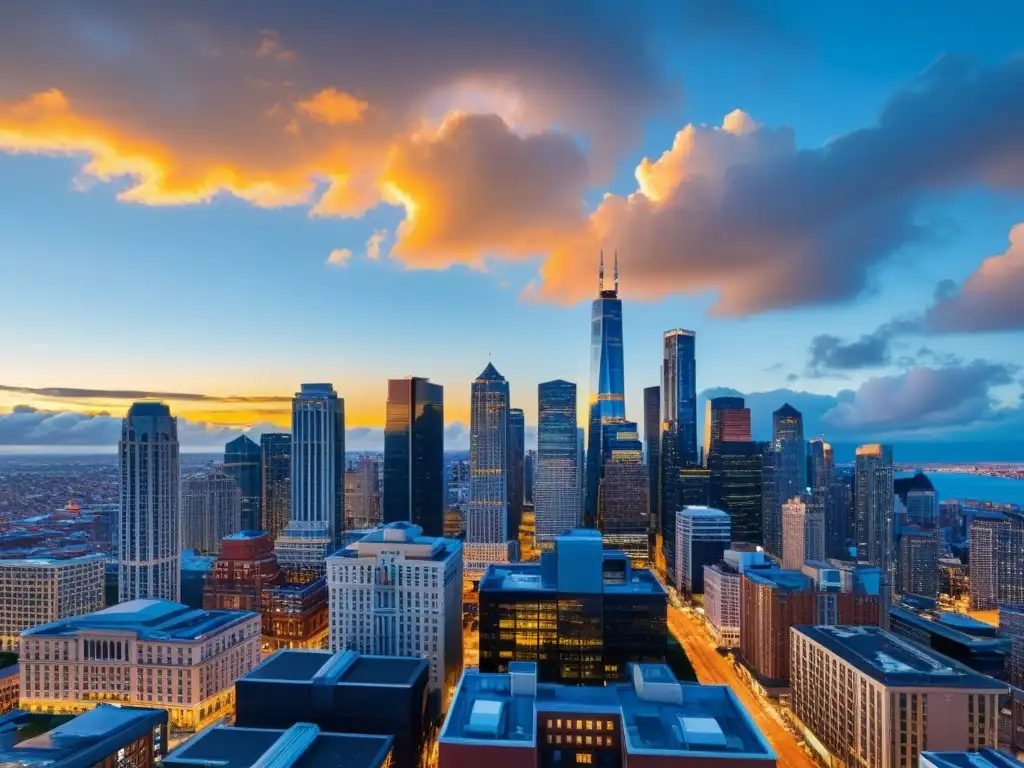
[{"x": 956, "y": 485}]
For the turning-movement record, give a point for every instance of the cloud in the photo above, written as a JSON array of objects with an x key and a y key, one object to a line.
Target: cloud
[
  {"x": 270, "y": 47},
  {"x": 339, "y": 257},
  {"x": 872, "y": 350},
  {"x": 74, "y": 393},
  {"x": 375, "y": 243},
  {"x": 333, "y": 107}
]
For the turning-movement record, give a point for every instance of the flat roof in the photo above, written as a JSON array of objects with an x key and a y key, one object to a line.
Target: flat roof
[
  {"x": 984, "y": 641},
  {"x": 245, "y": 535},
  {"x": 658, "y": 714},
  {"x": 301, "y": 746},
  {"x": 702, "y": 512},
  {"x": 344, "y": 667},
  {"x": 780, "y": 578},
  {"x": 527, "y": 577},
  {"x": 49, "y": 561},
  {"x": 149, "y": 619},
  {"x": 894, "y": 661},
  {"x": 983, "y": 758}
]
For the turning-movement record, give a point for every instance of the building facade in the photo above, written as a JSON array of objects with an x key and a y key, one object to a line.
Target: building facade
[
  {"x": 363, "y": 494},
  {"x": 242, "y": 463},
  {"x": 145, "y": 653},
  {"x": 556, "y": 493},
  {"x": 211, "y": 508},
  {"x": 275, "y": 482},
  {"x": 873, "y": 699},
  {"x": 414, "y": 454},
  {"x": 702, "y": 536},
  {"x": 149, "y": 548},
  {"x": 652, "y": 449},
  {"x": 397, "y": 592},
  {"x": 295, "y": 615},
  {"x": 623, "y": 510},
  {"x": 996, "y": 567},
  {"x": 790, "y": 470},
  {"x": 722, "y": 603},
  {"x": 917, "y": 565},
  {"x": 873, "y": 494},
  {"x": 726, "y": 420},
  {"x": 736, "y": 475},
  {"x": 245, "y": 567},
  {"x": 317, "y": 524},
  {"x": 803, "y": 533},
  {"x": 1011, "y": 624},
  {"x": 516, "y": 467},
  {"x": 38, "y": 591}
]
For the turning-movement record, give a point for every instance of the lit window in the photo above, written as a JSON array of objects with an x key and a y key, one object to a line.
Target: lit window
[
  {"x": 584, "y": 758},
  {"x": 549, "y": 723},
  {"x": 559, "y": 721},
  {"x": 579, "y": 725},
  {"x": 600, "y": 724},
  {"x": 590, "y": 725}
]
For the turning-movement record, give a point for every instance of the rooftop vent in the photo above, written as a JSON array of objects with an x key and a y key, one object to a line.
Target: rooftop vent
[
  {"x": 485, "y": 718},
  {"x": 702, "y": 732}
]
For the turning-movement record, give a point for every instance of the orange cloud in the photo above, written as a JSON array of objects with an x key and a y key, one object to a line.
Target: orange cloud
[
  {"x": 339, "y": 257},
  {"x": 333, "y": 107}
]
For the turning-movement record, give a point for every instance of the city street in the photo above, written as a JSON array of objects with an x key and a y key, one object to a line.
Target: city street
[{"x": 712, "y": 667}]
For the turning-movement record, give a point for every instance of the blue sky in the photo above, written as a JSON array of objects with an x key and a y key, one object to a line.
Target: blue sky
[{"x": 223, "y": 297}]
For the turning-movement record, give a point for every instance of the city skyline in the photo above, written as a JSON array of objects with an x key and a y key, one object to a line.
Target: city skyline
[{"x": 901, "y": 335}]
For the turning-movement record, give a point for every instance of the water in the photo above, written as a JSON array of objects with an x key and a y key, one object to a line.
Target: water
[{"x": 957, "y": 485}]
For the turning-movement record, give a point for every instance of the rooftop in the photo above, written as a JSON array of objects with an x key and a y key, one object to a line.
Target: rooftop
[
  {"x": 702, "y": 512},
  {"x": 42, "y": 562},
  {"x": 658, "y": 714},
  {"x": 528, "y": 577},
  {"x": 984, "y": 758},
  {"x": 416, "y": 545},
  {"x": 246, "y": 535},
  {"x": 301, "y": 746},
  {"x": 149, "y": 619},
  {"x": 779, "y": 578},
  {"x": 896, "y": 662},
  {"x": 344, "y": 667},
  {"x": 970, "y": 632}
]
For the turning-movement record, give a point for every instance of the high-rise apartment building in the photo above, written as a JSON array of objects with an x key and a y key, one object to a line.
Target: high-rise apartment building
[
  {"x": 996, "y": 566},
  {"x": 623, "y": 508},
  {"x": 149, "y": 551},
  {"x": 362, "y": 494},
  {"x": 821, "y": 467},
  {"x": 726, "y": 420},
  {"x": 276, "y": 481},
  {"x": 702, "y": 536},
  {"x": 679, "y": 453},
  {"x": 41, "y": 590},
  {"x": 736, "y": 475},
  {"x": 917, "y": 563},
  {"x": 1011, "y": 624},
  {"x": 242, "y": 459},
  {"x": 838, "y": 518},
  {"x": 803, "y": 533},
  {"x": 873, "y": 494},
  {"x": 873, "y": 699},
  {"x": 396, "y": 592},
  {"x": 487, "y": 534},
  {"x": 414, "y": 454},
  {"x": 607, "y": 380},
  {"x": 556, "y": 493},
  {"x": 317, "y": 524},
  {"x": 652, "y": 449},
  {"x": 789, "y": 469},
  {"x": 211, "y": 508},
  {"x": 516, "y": 463}
]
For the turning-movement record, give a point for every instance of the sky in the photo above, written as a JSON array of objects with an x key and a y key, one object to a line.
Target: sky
[{"x": 210, "y": 203}]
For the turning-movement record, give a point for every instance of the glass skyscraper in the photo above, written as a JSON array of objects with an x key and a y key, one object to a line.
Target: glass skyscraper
[
  {"x": 556, "y": 492},
  {"x": 873, "y": 492},
  {"x": 242, "y": 464},
  {"x": 487, "y": 534},
  {"x": 652, "y": 448},
  {"x": 726, "y": 420},
  {"x": 516, "y": 469},
  {"x": 790, "y": 470},
  {"x": 607, "y": 386},
  {"x": 414, "y": 455},
  {"x": 736, "y": 470},
  {"x": 678, "y": 429},
  {"x": 623, "y": 512},
  {"x": 276, "y": 464}
]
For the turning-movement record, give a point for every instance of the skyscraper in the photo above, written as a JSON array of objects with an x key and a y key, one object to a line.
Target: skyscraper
[
  {"x": 362, "y": 494},
  {"x": 487, "y": 534},
  {"x": 874, "y": 503},
  {"x": 726, "y": 419},
  {"x": 623, "y": 515},
  {"x": 242, "y": 463},
  {"x": 678, "y": 428},
  {"x": 652, "y": 448},
  {"x": 556, "y": 492},
  {"x": 803, "y": 533},
  {"x": 607, "y": 385},
  {"x": 149, "y": 553},
  {"x": 736, "y": 471},
  {"x": 276, "y": 466},
  {"x": 414, "y": 455},
  {"x": 318, "y": 480},
  {"x": 529, "y": 475},
  {"x": 211, "y": 509},
  {"x": 820, "y": 473},
  {"x": 790, "y": 469},
  {"x": 516, "y": 469}
]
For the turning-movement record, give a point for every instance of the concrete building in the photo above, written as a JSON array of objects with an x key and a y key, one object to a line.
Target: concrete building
[
  {"x": 702, "y": 536},
  {"x": 10, "y": 684},
  {"x": 295, "y": 615},
  {"x": 803, "y": 533},
  {"x": 245, "y": 567},
  {"x": 148, "y": 653},
  {"x": 872, "y": 699},
  {"x": 149, "y": 546},
  {"x": 722, "y": 593},
  {"x": 397, "y": 592},
  {"x": 917, "y": 564},
  {"x": 996, "y": 567},
  {"x": 211, "y": 508},
  {"x": 39, "y": 591},
  {"x": 650, "y": 720},
  {"x": 363, "y": 501}
]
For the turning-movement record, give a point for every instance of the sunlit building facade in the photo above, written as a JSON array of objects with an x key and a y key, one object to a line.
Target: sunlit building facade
[
  {"x": 363, "y": 494},
  {"x": 726, "y": 420},
  {"x": 803, "y": 533},
  {"x": 414, "y": 454},
  {"x": 556, "y": 492}
]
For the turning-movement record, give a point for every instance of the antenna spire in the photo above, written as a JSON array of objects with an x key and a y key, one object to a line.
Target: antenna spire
[
  {"x": 600, "y": 274},
  {"x": 616, "y": 270}
]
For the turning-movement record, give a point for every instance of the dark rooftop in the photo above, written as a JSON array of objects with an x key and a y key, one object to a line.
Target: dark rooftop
[
  {"x": 292, "y": 665},
  {"x": 298, "y": 666},
  {"x": 383, "y": 670}
]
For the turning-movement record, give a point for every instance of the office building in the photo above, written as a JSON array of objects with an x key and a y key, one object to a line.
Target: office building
[
  {"x": 363, "y": 493},
  {"x": 148, "y": 551},
  {"x": 622, "y": 509},
  {"x": 318, "y": 480},
  {"x": 873, "y": 493},
  {"x": 345, "y": 692},
  {"x": 789, "y": 470},
  {"x": 691, "y": 488},
  {"x": 607, "y": 380},
  {"x": 275, "y": 482},
  {"x": 771, "y": 512},
  {"x": 582, "y": 613},
  {"x": 303, "y": 745},
  {"x": 983, "y": 758},
  {"x": 996, "y": 567},
  {"x": 39, "y": 591},
  {"x": 242, "y": 463},
  {"x": 487, "y": 532},
  {"x": 803, "y": 533},
  {"x": 821, "y": 467},
  {"x": 414, "y": 454},
  {"x": 722, "y": 592},
  {"x": 838, "y": 518},
  {"x": 397, "y": 592},
  {"x": 650, "y": 719},
  {"x": 917, "y": 563},
  {"x": 871, "y": 698},
  {"x": 736, "y": 470},
  {"x": 516, "y": 463},
  {"x": 652, "y": 448},
  {"x": 245, "y": 567},
  {"x": 104, "y": 737},
  {"x": 1011, "y": 625},
  {"x": 979, "y": 646},
  {"x": 702, "y": 536},
  {"x": 211, "y": 508},
  {"x": 295, "y": 615},
  {"x": 772, "y": 600},
  {"x": 147, "y": 653},
  {"x": 529, "y": 475},
  {"x": 726, "y": 420},
  {"x": 556, "y": 492}
]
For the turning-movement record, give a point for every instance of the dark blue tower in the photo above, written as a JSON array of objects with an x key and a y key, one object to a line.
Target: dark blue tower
[{"x": 607, "y": 387}]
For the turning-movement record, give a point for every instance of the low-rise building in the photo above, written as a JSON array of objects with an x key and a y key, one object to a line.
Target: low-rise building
[
  {"x": 295, "y": 615},
  {"x": 649, "y": 721},
  {"x": 870, "y": 698},
  {"x": 246, "y": 565},
  {"x": 722, "y": 592},
  {"x": 147, "y": 652},
  {"x": 10, "y": 683},
  {"x": 971, "y": 642}
]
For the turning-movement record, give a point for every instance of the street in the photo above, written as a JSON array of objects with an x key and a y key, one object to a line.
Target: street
[{"x": 711, "y": 667}]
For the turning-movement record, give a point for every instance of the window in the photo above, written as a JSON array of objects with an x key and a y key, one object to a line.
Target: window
[{"x": 584, "y": 758}]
